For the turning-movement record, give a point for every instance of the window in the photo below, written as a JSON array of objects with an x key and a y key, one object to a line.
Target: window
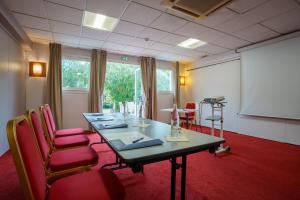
[
  {"x": 122, "y": 84},
  {"x": 164, "y": 80},
  {"x": 75, "y": 74}
]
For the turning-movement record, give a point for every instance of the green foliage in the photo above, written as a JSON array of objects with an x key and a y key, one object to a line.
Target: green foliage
[
  {"x": 163, "y": 79},
  {"x": 75, "y": 73},
  {"x": 119, "y": 83}
]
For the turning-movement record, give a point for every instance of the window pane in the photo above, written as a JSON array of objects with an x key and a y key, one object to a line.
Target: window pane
[
  {"x": 122, "y": 83},
  {"x": 164, "y": 80},
  {"x": 75, "y": 74}
]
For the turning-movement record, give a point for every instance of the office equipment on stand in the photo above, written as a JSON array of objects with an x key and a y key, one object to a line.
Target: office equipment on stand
[{"x": 217, "y": 105}]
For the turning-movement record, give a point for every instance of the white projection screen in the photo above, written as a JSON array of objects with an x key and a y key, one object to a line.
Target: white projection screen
[{"x": 270, "y": 80}]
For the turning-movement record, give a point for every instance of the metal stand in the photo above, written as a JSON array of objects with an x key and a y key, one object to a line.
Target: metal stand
[
  {"x": 218, "y": 107},
  {"x": 174, "y": 166}
]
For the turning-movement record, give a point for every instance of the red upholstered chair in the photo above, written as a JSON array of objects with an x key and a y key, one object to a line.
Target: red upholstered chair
[
  {"x": 60, "y": 142},
  {"x": 62, "y": 161},
  {"x": 191, "y": 116},
  {"x": 47, "y": 118},
  {"x": 91, "y": 185}
]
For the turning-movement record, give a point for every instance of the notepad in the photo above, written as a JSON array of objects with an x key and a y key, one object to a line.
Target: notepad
[
  {"x": 111, "y": 126},
  {"x": 123, "y": 140}
]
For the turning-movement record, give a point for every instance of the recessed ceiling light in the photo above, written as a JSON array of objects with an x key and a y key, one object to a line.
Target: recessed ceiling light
[
  {"x": 191, "y": 43},
  {"x": 98, "y": 21}
]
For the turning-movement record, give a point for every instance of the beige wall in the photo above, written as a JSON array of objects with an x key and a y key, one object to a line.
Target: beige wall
[{"x": 12, "y": 83}]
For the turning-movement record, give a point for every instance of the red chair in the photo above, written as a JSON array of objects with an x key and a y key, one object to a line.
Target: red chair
[
  {"x": 60, "y": 142},
  {"x": 91, "y": 185},
  {"x": 190, "y": 117},
  {"x": 64, "y": 161},
  {"x": 48, "y": 120}
]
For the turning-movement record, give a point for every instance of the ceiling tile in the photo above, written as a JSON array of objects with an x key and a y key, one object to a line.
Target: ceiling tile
[
  {"x": 140, "y": 14},
  {"x": 191, "y": 30},
  {"x": 128, "y": 28},
  {"x": 30, "y": 7},
  {"x": 256, "y": 33},
  {"x": 173, "y": 39},
  {"x": 212, "y": 49},
  {"x": 218, "y": 17},
  {"x": 180, "y": 14},
  {"x": 112, "y": 46},
  {"x": 258, "y": 14},
  {"x": 63, "y": 13},
  {"x": 153, "y": 4},
  {"x": 112, "y": 8},
  {"x": 67, "y": 39},
  {"x": 90, "y": 42},
  {"x": 230, "y": 42},
  {"x": 132, "y": 49},
  {"x": 168, "y": 22},
  {"x": 34, "y": 33},
  {"x": 32, "y": 22},
  {"x": 79, "y": 4},
  {"x": 161, "y": 47},
  {"x": 152, "y": 34},
  {"x": 94, "y": 33},
  {"x": 286, "y": 22},
  {"x": 140, "y": 42},
  {"x": 242, "y": 6},
  {"x": 119, "y": 38},
  {"x": 60, "y": 27}
]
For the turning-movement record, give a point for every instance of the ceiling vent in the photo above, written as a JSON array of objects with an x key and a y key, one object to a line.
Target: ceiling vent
[{"x": 195, "y": 8}]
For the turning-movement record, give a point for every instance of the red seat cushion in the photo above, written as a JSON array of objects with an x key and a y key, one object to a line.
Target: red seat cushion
[
  {"x": 70, "y": 158},
  {"x": 68, "y": 132},
  {"x": 92, "y": 185},
  {"x": 189, "y": 117},
  {"x": 71, "y": 141}
]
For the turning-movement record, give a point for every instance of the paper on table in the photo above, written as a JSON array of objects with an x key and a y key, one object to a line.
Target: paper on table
[
  {"x": 128, "y": 137},
  {"x": 179, "y": 138}
]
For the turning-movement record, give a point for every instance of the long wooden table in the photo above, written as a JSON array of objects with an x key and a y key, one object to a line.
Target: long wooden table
[{"x": 167, "y": 151}]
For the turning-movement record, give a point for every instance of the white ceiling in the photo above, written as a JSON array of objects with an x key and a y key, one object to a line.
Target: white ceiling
[{"x": 239, "y": 23}]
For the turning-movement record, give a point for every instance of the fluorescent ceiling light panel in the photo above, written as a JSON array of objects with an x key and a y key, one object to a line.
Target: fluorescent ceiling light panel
[
  {"x": 98, "y": 21},
  {"x": 191, "y": 43}
]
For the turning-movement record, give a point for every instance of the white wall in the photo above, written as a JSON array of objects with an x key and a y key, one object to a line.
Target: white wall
[
  {"x": 224, "y": 79},
  {"x": 12, "y": 84}
]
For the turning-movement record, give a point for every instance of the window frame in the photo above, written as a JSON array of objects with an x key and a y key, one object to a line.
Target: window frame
[
  {"x": 162, "y": 67},
  {"x": 74, "y": 89}
]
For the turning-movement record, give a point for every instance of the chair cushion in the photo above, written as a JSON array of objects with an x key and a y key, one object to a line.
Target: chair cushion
[
  {"x": 71, "y": 141},
  {"x": 68, "y": 132},
  {"x": 189, "y": 118},
  {"x": 92, "y": 185},
  {"x": 71, "y": 158}
]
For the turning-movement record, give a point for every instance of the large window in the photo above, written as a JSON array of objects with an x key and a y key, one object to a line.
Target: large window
[
  {"x": 164, "y": 80},
  {"x": 75, "y": 74},
  {"x": 122, "y": 84}
]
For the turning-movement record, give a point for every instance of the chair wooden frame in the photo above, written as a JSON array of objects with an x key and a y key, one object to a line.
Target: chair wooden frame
[
  {"x": 16, "y": 153},
  {"x": 51, "y": 176}
]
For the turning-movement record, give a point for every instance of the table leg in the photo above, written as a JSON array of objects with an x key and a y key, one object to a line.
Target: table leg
[
  {"x": 187, "y": 120},
  {"x": 183, "y": 177},
  {"x": 173, "y": 178}
]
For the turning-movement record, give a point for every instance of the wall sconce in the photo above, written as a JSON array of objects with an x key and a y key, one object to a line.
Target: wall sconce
[
  {"x": 182, "y": 80},
  {"x": 37, "y": 69}
]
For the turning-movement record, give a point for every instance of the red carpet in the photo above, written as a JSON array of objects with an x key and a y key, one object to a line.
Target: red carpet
[{"x": 255, "y": 169}]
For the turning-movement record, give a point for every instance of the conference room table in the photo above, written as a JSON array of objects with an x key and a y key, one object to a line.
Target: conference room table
[
  {"x": 186, "y": 111},
  {"x": 167, "y": 151}
]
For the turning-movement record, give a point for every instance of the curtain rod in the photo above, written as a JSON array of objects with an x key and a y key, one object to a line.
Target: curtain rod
[{"x": 216, "y": 63}]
